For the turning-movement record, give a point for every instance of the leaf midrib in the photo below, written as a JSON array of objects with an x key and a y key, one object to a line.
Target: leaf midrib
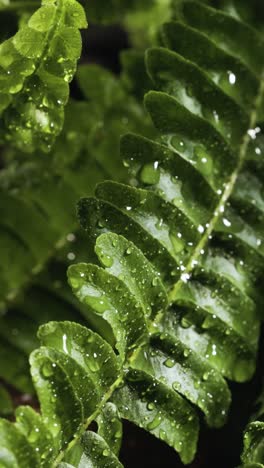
[
  {"x": 221, "y": 205},
  {"x": 56, "y": 24}
]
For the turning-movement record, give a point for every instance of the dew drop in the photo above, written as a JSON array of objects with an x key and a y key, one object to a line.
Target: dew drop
[
  {"x": 169, "y": 363},
  {"x": 155, "y": 281},
  {"x": 231, "y": 77},
  {"x": 156, "y": 422},
  {"x": 150, "y": 173},
  {"x": 150, "y": 406},
  {"x": 47, "y": 370}
]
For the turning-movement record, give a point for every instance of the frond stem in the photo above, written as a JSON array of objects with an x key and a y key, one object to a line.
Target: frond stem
[
  {"x": 87, "y": 423},
  {"x": 229, "y": 187}
]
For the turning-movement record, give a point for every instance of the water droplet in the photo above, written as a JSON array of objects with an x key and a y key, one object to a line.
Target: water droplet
[
  {"x": 226, "y": 222},
  {"x": 156, "y": 422},
  {"x": 252, "y": 132},
  {"x": 185, "y": 323},
  {"x": 150, "y": 406},
  {"x": 155, "y": 281},
  {"x": 150, "y": 173},
  {"x": 33, "y": 435},
  {"x": 106, "y": 260},
  {"x": 169, "y": 362},
  {"x": 71, "y": 237},
  {"x": 177, "y": 244},
  {"x": 231, "y": 77},
  {"x": 71, "y": 256},
  {"x": 162, "y": 434},
  {"x": 118, "y": 434},
  {"x": 64, "y": 343},
  {"x": 185, "y": 277},
  {"x": 177, "y": 144},
  {"x": 15, "y": 88},
  {"x": 203, "y": 160},
  {"x": 47, "y": 369},
  {"x": 214, "y": 351}
]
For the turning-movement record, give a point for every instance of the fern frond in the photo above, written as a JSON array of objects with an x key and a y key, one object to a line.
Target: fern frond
[
  {"x": 190, "y": 218},
  {"x": 180, "y": 251},
  {"x": 36, "y": 66}
]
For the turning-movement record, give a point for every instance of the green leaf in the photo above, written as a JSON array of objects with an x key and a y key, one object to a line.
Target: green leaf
[
  {"x": 109, "y": 297},
  {"x": 122, "y": 259},
  {"x": 253, "y": 453},
  {"x": 224, "y": 69},
  {"x": 149, "y": 404},
  {"x": 110, "y": 427},
  {"x": 234, "y": 36},
  {"x": 40, "y": 439},
  {"x": 86, "y": 347},
  {"x": 82, "y": 363},
  {"x": 96, "y": 454},
  {"x": 15, "y": 451},
  {"x": 36, "y": 66},
  {"x": 178, "y": 367}
]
